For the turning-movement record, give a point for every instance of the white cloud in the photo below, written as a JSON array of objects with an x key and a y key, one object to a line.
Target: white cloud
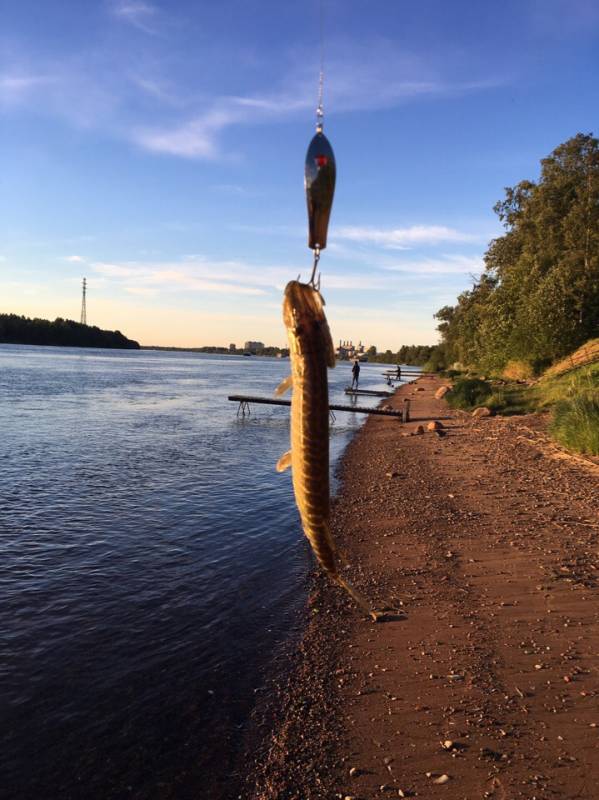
[
  {"x": 137, "y": 13},
  {"x": 124, "y": 91},
  {"x": 146, "y": 279},
  {"x": 402, "y": 238},
  {"x": 235, "y": 189},
  {"x": 196, "y": 273},
  {"x": 195, "y": 139},
  {"x": 443, "y": 265},
  {"x": 367, "y": 76},
  {"x": 75, "y": 259},
  {"x": 115, "y": 270},
  {"x": 16, "y": 87}
]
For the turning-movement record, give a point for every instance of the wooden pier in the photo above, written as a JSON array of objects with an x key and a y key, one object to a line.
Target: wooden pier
[
  {"x": 370, "y": 392},
  {"x": 411, "y": 373},
  {"x": 245, "y": 400}
]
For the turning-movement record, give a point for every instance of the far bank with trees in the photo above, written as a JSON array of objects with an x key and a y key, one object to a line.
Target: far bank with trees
[{"x": 15, "y": 329}]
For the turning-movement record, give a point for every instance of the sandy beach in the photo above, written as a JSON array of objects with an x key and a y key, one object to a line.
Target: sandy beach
[{"x": 485, "y": 685}]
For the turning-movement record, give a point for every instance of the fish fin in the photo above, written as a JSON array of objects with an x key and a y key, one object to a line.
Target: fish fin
[
  {"x": 285, "y": 385},
  {"x": 284, "y": 462},
  {"x": 331, "y": 356}
]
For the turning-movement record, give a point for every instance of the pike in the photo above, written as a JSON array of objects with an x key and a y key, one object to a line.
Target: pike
[{"x": 311, "y": 351}]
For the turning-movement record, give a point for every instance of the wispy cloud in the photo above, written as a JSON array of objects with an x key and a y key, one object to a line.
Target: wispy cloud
[
  {"x": 402, "y": 238},
  {"x": 137, "y": 13},
  {"x": 235, "y": 189},
  {"x": 370, "y": 75},
  {"x": 124, "y": 91},
  {"x": 198, "y": 137},
  {"x": 195, "y": 273},
  {"x": 150, "y": 279},
  {"x": 75, "y": 259},
  {"x": 445, "y": 264},
  {"x": 16, "y": 87}
]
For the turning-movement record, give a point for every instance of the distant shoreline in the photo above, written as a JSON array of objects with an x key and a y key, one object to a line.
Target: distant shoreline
[
  {"x": 16, "y": 329},
  {"x": 222, "y": 351},
  {"x": 66, "y": 346}
]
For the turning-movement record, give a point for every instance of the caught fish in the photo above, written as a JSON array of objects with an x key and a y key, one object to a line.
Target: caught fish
[{"x": 311, "y": 351}]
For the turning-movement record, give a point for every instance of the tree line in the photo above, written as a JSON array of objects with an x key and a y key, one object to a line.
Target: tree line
[
  {"x": 410, "y": 354},
  {"x": 538, "y": 297},
  {"x": 15, "y": 329}
]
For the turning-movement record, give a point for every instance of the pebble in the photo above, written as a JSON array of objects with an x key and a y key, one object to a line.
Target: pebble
[
  {"x": 441, "y": 779},
  {"x": 354, "y": 771},
  {"x": 448, "y": 744}
]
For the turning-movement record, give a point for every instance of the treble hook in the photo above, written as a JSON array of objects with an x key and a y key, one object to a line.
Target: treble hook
[{"x": 312, "y": 280}]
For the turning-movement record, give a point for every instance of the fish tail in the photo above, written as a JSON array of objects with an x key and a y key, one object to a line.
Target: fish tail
[{"x": 357, "y": 596}]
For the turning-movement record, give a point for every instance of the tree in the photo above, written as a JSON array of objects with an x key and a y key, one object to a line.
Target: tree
[{"x": 538, "y": 298}]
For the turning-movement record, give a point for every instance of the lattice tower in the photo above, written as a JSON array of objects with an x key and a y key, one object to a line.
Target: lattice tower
[{"x": 83, "y": 304}]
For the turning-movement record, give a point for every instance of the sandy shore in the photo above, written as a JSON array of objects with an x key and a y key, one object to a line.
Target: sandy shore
[{"x": 487, "y": 541}]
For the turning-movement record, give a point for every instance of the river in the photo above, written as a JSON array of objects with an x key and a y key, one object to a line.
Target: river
[{"x": 152, "y": 564}]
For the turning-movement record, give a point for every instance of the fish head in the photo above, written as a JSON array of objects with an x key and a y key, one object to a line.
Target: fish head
[{"x": 305, "y": 320}]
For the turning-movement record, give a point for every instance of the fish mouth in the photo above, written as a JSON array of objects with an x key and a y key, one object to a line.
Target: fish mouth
[{"x": 302, "y": 305}]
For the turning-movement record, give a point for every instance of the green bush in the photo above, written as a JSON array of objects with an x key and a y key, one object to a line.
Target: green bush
[
  {"x": 497, "y": 401},
  {"x": 576, "y": 423},
  {"x": 437, "y": 360},
  {"x": 469, "y": 393}
]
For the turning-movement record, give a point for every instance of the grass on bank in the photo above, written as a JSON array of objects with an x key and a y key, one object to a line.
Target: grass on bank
[{"x": 573, "y": 399}]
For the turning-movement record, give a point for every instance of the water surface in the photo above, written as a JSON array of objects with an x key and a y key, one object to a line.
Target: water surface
[{"x": 152, "y": 563}]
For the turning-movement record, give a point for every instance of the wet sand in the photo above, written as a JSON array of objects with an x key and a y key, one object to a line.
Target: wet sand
[{"x": 486, "y": 685}]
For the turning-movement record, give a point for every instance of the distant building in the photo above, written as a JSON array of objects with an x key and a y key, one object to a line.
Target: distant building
[
  {"x": 232, "y": 348},
  {"x": 253, "y": 347},
  {"x": 348, "y": 351}
]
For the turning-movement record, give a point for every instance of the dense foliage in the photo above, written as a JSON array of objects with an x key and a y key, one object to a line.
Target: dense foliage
[
  {"x": 469, "y": 393},
  {"x": 410, "y": 354},
  {"x": 538, "y": 298},
  {"x": 62, "y": 332}
]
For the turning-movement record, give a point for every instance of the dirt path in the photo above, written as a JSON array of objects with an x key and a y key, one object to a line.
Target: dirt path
[{"x": 489, "y": 687}]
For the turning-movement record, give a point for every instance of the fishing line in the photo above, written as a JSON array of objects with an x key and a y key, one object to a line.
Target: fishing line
[
  {"x": 319, "y": 170},
  {"x": 320, "y": 108}
]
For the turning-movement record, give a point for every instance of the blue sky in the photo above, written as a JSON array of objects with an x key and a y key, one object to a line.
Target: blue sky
[{"x": 157, "y": 148}]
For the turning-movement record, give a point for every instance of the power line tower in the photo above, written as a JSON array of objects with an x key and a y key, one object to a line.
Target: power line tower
[{"x": 83, "y": 305}]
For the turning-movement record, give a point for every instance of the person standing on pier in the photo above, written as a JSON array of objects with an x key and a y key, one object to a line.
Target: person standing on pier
[{"x": 355, "y": 371}]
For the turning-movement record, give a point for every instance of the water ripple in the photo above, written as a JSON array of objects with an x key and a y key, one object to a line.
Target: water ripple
[{"x": 152, "y": 561}]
